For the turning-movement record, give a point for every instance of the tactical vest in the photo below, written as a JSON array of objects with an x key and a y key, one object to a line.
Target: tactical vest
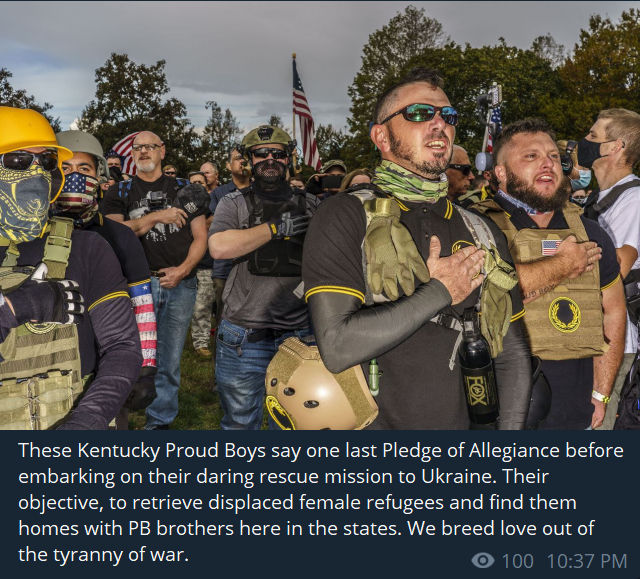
[
  {"x": 565, "y": 323},
  {"x": 278, "y": 257},
  {"x": 41, "y": 376}
]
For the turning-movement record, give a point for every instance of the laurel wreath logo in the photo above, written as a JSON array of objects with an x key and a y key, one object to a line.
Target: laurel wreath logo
[{"x": 574, "y": 324}]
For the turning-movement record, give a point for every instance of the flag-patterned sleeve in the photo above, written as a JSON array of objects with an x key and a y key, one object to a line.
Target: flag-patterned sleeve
[{"x": 142, "y": 302}]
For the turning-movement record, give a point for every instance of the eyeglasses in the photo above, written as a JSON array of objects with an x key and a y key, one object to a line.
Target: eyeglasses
[
  {"x": 171, "y": 173},
  {"x": 464, "y": 169},
  {"x": 265, "y": 152},
  {"x": 421, "y": 112},
  {"x": 146, "y": 147},
  {"x": 22, "y": 160}
]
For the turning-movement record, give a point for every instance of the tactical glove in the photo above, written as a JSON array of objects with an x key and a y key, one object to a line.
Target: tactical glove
[
  {"x": 495, "y": 301},
  {"x": 143, "y": 392},
  {"x": 193, "y": 197},
  {"x": 392, "y": 256},
  {"x": 288, "y": 225},
  {"x": 47, "y": 301}
]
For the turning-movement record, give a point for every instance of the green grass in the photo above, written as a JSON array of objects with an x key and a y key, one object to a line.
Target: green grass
[{"x": 199, "y": 406}]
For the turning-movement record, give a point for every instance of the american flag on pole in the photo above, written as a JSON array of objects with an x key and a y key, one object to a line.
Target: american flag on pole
[
  {"x": 123, "y": 149},
  {"x": 307, "y": 129},
  {"x": 497, "y": 119},
  {"x": 550, "y": 246}
]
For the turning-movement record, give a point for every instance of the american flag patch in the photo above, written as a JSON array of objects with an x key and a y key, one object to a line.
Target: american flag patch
[{"x": 550, "y": 246}]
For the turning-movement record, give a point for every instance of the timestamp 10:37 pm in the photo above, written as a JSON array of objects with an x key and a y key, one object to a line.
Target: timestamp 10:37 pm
[{"x": 565, "y": 561}]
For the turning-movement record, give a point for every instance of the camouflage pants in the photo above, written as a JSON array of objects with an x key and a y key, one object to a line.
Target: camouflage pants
[{"x": 201, "y": 318}]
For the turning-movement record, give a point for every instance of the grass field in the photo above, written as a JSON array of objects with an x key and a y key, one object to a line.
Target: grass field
[{"x": 199, "y": 405}]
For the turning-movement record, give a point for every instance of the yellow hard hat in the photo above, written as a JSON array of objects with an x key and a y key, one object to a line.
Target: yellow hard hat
[{"x": 26, "y": 128}]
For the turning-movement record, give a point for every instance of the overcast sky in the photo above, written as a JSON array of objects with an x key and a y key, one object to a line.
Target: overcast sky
[{"x": 239, "y": 53}]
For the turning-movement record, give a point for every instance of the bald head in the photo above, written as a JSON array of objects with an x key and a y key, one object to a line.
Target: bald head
[
  {"x": 148, "y": 156},
  {"x": 459, "y": 173},
  {"x": 147, "y": 137},
  {"x": 210, "y": 171}
]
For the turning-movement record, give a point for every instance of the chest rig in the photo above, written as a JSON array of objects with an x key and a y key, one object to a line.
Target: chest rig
[
  {"x": 41, "y": 375},
  {"x": 278, "y": 257},
  {"x": 564, "y": 323}
]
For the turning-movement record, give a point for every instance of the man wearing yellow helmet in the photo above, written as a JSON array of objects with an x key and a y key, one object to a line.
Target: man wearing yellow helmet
[
  {"x": 48, "y": 355},
  {"x": 262, "y": 228}
]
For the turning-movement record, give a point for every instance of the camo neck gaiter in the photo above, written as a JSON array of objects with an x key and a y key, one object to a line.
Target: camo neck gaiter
[
  {"x": 78, "y": 199},
  {"x": 24, "y": 203},
  {"x": 408, "y": 186}
]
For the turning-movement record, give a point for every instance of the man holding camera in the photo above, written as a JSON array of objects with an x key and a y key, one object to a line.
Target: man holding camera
[
  {"x": 327, "y": 182},
  {"x": 262, "y": 229},
  {"x": 174, "y": 240}
]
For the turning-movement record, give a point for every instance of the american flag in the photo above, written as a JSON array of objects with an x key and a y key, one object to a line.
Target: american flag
[
  {"x": 123, "y": 150},
  {"x": 497, "y": 119},
  {"x": 550, "y": 246},
  {"x": 307, "y": 129},
  {"x": 142, "y": 301}
]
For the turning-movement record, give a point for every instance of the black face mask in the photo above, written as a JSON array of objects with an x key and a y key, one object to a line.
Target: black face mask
[
  {"x": 589, "y": 152},
  {"x": 270, "y": 173}
]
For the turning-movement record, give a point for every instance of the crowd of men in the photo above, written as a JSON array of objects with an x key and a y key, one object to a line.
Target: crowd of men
[{"x": 103, "y": 274}]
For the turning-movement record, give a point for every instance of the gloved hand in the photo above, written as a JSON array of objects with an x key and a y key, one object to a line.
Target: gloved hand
[
  {"x": 495, "y": 301},
  {"x": 143, "y": 392},
  {"x": 392, "y": 256},
  {"x": 193, "y": 197},
  {"x": 288, "y": 225},
  {"x": 42, "y": 300}
]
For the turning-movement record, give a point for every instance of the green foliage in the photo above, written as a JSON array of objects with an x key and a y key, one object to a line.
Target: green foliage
[
  {"x": 330, "y": 142},
  {"x": 220, "y": 134},
  {"x": 10, "y": 97},
  {"x": 129, "y": 98},
  {"x": 602, "y": 73},
  {"x": 276, "y": 121}
]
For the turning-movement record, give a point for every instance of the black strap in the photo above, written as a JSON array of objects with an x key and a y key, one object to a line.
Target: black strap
[{"x": 593, "y": 209}]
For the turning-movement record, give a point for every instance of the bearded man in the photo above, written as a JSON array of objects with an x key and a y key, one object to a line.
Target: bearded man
[
  {"x": 360, "y": 314},
  {"x": 569, "y": 275}
]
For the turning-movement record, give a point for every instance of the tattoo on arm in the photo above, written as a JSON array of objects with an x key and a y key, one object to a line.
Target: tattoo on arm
[{"x": 538, "y": 293}]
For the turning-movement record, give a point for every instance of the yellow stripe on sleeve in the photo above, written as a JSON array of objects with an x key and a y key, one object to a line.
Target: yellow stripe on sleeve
[
  {"x": 449, "y": 211},
  {"x": 518, "y": 315},
  {"x": 609, "y": 285},
  {"x": 139, "y": 282},
  {"x": 108, "y": 297},
  {"x": 335, "y": 289}
]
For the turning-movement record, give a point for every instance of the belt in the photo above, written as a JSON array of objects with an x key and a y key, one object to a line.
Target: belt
[{"x": 264, "y": 334}]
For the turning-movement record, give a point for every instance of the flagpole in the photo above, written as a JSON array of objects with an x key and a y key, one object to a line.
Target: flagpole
[{"x": 293, "y": 57}]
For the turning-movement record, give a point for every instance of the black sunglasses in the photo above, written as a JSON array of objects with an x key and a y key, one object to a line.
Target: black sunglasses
[
  {"x": 169, "y": 172},
  {"x": 464, "y": 169},
  {"x": 265, "y": 152},
  {"x": 22, "y": 160},
  {"x": 420, "y": 112}
]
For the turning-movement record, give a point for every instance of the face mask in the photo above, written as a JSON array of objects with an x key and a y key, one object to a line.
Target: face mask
[
  {"x": 78, "y": 199},
  {"x": 270, "y": 173},
  {"x": 583, "y": 182},
  {"x": 589, "y": 152},
  {"x": 24, "y": 202}
]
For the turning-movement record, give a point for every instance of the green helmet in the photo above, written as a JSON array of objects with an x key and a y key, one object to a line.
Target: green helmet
[
  {"x": 81, "y": 142},
  {"x": 267, "y": 135}
]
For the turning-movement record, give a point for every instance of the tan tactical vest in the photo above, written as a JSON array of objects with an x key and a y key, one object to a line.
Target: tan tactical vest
[
  {"x": 40, "y": 377},
  {"x": 566, "y": 322}
]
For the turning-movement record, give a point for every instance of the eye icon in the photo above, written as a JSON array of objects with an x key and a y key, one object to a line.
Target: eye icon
[{"x": 483, "y": 560}]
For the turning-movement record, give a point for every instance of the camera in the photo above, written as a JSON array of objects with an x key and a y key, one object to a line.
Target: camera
[
  {"x": 155, "y": 201},
  {"x": 331, "y": 181}
]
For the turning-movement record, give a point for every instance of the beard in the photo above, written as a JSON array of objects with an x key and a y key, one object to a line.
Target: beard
[
  {"x": 146, "y": 166},
  {"x": 528, "y": 194},
  {"x": 428, "y": 169}
]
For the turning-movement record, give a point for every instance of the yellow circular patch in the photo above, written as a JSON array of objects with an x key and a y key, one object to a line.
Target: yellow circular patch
[
  {"x": 564, "y": 315},
  {"x": 279, "y": 414},
  {"x": 40, "y": 328}
]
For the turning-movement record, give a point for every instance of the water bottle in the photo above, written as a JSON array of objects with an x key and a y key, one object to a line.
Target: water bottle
[{"x": 478, "y": 377}]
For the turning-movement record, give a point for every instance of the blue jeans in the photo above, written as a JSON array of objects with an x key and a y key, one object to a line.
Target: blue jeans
[
  {"x": 241, "y": 367},
  {"x": 173, "y": 313}
]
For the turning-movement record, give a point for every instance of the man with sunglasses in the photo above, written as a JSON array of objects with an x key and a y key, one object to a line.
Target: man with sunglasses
[
  {"x": 262, "y": 229},
  {"x": 170, "y": 171},
  {"x": 411, "y": 327},
  {"x": 53, "y": 375},
  {"x": 174, "y": 241},
  {"x": 459, "y": 174}
]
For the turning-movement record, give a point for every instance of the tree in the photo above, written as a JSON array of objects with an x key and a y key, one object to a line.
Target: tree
[
  {"x": 407, "y": 35},
  {"x": 330, "y": 142},
  {"x": 129, "y": 98},
  {"x": 10, "y": 97},
  {"x": 276, "y": 121},
  {"x": 547, "y": 48},
  {"x": 221, "y": 133},
  {"x": 602, "y": 73}
]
